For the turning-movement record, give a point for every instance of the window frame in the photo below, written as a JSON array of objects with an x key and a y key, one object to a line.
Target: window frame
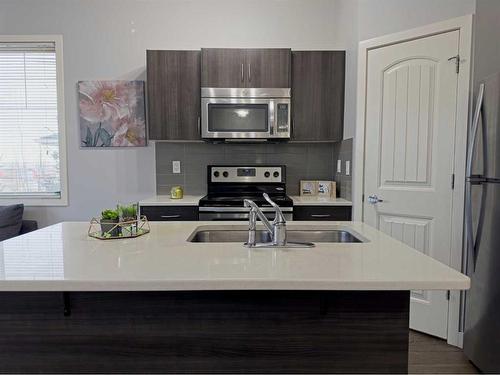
[{"x": 39, "y": 200}]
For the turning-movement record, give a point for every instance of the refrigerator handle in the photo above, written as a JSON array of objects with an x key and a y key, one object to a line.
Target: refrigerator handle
[
  {"x": 475, "y": 126},
  {"x": 471, "y": 243}
]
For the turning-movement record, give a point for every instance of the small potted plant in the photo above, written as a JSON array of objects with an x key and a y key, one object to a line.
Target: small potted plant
[
  {"x": 129, "y": 213},
  {"x": 109, "y": 221}
]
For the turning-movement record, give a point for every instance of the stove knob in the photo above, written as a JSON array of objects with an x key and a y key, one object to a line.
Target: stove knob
[
  {"x": 216, "y": 174},
  {"x": 225, "y": 174},
  {"x": 267, "y": 174},
  {"x": 276, "y": 174}
]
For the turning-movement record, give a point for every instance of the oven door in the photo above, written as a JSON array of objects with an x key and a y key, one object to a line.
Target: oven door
[{"x": 238, "y": 214}]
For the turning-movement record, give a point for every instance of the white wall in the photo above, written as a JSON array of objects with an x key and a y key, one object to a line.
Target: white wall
[
  {"x": 486, "y": 35},
  {"x": 379, "y": 17},
  {"x": 107, "y": 39}
]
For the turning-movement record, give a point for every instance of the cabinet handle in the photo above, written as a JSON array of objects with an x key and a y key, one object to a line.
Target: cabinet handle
[
  {"x": 199, "y": 126},
  {"x": 170, "y": 216},
  {"x": 320, "y": 215},
  {"x": 242, "y": 77},
  {"x": 249, "y": 72}
]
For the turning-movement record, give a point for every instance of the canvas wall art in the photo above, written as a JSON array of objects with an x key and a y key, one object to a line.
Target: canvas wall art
[{"x": 112, "y": 113}]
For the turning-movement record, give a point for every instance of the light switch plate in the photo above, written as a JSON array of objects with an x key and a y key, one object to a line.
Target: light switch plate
[
  {"x": 347, "y": 167},
  {"x": 176, "y": 166},
  {"x": 339, "y": 166}
]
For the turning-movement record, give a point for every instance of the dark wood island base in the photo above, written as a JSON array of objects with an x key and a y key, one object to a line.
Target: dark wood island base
[{"x": 204, "y": 332}]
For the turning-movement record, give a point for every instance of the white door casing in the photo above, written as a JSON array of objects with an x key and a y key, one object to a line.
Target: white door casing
[{"x": 411, "y": 108}]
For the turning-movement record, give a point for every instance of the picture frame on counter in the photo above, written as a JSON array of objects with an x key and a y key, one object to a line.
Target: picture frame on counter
[
  {"x": 323, "y": 189},
  {"x": 327, "y": 189},
  {"x": 308, "y": 188}
]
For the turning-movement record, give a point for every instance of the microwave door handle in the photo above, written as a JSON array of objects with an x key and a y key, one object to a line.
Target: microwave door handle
[
  {"x": 249, "y": 72},
  {"x": 242, "y": 73}
]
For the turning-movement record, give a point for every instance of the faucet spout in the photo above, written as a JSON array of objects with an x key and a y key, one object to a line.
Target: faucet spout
[
  {"x": 255, "y": 212},
  {"x": 277, "y": 228}
]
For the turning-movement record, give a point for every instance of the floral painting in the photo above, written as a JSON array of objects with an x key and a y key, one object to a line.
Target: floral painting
[{"x": 112, "y": 113}]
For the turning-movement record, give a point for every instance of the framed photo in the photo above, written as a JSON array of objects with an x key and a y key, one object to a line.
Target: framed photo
[
  {"x": 327, "y": 189},
  {"x": 112, "y": 113},
  {"x": 308, "y": 188}
]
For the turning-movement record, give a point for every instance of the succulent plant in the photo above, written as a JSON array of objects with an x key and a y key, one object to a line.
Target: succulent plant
[{"x": 109, "y": 214}]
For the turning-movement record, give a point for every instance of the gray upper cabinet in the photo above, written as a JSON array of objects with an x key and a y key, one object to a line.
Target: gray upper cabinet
[
  {"x": 222, "y": 67},
  {"x": 318, "y": 81},
  {"x": 173, "y": 86},
  {"x": 230, "y": 67},
  {"x": 268, "y": 67}
]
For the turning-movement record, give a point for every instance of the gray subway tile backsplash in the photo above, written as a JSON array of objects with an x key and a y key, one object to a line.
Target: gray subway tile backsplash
[
  {"x": 343, "y": 151},
  {"x": 303, "y": 161}
]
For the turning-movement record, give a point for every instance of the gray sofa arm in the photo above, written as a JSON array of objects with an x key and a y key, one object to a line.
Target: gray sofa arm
[{"x": 28, "y": 226}]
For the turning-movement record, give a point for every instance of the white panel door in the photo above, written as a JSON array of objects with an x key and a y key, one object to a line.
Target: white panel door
[{"x": 410, "y": 128}]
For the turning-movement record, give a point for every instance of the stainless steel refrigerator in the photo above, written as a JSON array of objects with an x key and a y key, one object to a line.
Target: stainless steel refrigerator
[{"x": 482, "y": 305}]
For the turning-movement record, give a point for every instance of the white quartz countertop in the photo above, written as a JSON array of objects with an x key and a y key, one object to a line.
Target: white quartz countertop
[
  {"x": 165, "y": 200},
  {"x": 63, "y": 258},
  {"x": 319, "y": 201},
  {"x": 192, "y": 200}
]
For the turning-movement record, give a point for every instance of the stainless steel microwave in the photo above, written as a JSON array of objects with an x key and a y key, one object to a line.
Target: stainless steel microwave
[{"x": 245, "y": 114}]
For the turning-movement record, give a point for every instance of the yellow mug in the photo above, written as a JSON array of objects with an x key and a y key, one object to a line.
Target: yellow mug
[{"x": 176, "y": 192}]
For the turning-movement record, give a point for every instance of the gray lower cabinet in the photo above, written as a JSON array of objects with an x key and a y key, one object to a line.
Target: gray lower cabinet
[
  {"x": 318, "y": 81},
  {"x": 170, "y": 213},
  {"x": 173, "y": 86},
  {"x": 209, "y": 331},
  {"x": 322, "y": 213}
]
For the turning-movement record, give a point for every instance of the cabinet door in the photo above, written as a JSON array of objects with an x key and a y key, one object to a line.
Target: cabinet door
[
  {"x": 223, "y": 67},
  {"x": 170, "y": 213},
  {"x": 268, "y": 67},
  {"x": 322, "y": 213},
  {"x": 173, "y": 82},
  {"x": 318, "y": 80}
]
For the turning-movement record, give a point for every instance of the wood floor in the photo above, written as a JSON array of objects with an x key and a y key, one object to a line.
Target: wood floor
[{"x": 430, "y": 355}]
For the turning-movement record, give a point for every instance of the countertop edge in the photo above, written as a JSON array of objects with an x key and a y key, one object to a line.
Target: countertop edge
[
  {"x": 207, "y": 285},
  {"x": 165, "y": 200},
  {"x": 193, "y": 200},
  {"x": 301, "y": 201}
]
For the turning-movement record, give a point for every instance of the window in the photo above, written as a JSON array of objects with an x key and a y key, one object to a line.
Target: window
[{"x": 32, "y": 147}]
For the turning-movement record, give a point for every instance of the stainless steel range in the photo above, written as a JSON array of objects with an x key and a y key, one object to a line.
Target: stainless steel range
[{"x": 229, "y": 185}]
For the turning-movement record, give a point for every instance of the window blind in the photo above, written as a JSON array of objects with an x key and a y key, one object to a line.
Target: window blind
[
  {"x": 38, "y": 258},
  {"x": 29, "y": 136}
]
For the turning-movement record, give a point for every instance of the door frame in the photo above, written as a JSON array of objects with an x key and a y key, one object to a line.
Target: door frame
[{"x": 464, "y": 26}]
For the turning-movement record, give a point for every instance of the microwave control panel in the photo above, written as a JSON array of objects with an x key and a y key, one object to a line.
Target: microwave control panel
[{"x": 282, "y": 117}]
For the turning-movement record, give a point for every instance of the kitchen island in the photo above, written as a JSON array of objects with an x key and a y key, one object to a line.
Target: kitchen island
[{"x": 158, "y": 303}]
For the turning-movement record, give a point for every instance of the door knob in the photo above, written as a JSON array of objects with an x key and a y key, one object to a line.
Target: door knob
[{"x": 373, "y": 199}]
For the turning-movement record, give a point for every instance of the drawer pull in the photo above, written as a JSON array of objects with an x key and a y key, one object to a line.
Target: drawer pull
[
  {"x": 170, "y": 216},
  {"x": 320, "y": 215}
]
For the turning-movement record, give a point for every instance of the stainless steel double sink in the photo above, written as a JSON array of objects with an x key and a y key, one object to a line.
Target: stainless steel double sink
[{"x": 240, "y": 234}]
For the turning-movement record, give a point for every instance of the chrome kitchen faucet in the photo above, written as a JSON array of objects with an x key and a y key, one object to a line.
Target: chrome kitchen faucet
[{"x": 277, "y": 228}]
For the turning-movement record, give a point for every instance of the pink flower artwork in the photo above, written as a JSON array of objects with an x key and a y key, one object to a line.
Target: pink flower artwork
[{"x": 112, "y": 113}]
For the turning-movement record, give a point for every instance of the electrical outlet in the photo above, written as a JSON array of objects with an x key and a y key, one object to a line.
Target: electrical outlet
[
  {"x": 176, "y": 166},
  {"x": 347, "y": 167},
  {"x": 339, "y": 166}
]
